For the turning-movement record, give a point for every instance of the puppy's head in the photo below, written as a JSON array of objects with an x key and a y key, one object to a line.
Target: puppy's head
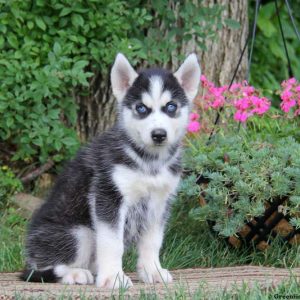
[{"x": 154, "y": 105}]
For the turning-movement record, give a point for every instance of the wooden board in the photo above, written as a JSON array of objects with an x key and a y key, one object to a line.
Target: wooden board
[{"x": 188, "y": 280}]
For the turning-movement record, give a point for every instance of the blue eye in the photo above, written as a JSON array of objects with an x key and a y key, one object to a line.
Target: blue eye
[
  {"x": 141, "y": 109},
  {"x": 171, "y": 107}
]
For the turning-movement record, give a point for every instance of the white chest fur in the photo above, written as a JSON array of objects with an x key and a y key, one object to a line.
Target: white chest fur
[{"x": 136, "y": 185}]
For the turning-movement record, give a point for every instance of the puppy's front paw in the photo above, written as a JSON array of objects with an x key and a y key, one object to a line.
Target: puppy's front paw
[
  {"x": 113, "y": 281},
  {"x": 154, "y": 276}
]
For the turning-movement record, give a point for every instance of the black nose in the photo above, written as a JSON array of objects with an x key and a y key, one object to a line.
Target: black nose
[{"x": 158, "y": 135}]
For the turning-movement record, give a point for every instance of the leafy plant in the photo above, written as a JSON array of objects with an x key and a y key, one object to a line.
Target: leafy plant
[
  {"x": 273, "y": 124},
  {"x": 9, "y": 184},
  {"x": 178, "y": 22},
  {"x": 243, "y": 176},
  {"x": 46, "y": 48},
  {"x": 269, "y": 57},
  {"x": 50, "y": 51}
]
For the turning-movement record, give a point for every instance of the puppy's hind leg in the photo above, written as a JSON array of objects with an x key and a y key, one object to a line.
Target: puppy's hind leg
[
  {"x": 79, "y": 271},
  {"x": 71, "y": 275},
  {"x": 57, "y": 253}
]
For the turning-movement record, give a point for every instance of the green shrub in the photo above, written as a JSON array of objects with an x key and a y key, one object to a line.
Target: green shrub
[
  {"x": 243, "y": 176},
  {"x": 9, "y": 184},
  {"x": 50, "y": 49},
  {"x": 45, "y": 50},
  {"x": 269, "y": 57}
]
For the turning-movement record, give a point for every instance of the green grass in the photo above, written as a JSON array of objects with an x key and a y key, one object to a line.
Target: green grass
[
  {"x": 187, "y": 244},
  {"x": 286, "y": 290},
  {"x": 196, "y": 245},
  {"x": 12, "y": 230}
]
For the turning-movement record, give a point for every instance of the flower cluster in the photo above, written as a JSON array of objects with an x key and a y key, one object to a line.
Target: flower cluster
[
  {"x": 214, "y": 96},
  {"x": 290, "y": 96},
  {"x": 194, "y": 124},
  {"x": 245, "y": 100}
]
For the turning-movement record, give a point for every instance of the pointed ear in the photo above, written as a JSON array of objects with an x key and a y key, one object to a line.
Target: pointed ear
[
  {"x": 122, "y": 76},
  {"x": 188, "y": 76}
]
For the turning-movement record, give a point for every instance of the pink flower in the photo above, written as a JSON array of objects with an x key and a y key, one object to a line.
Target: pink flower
[
  {"x": 205, "y": 82},
  {"x": 245, "y": 99},
  {"x": 218, "y": 102},
  {"x": 291, "y": 81},
  {"x": 290, "y": 96},
  {"x": 286, "y": 95},
  {"x": 250, "y": 105},
  {"x": 234, "y": 87},
  {"x": 242, "y": 104},
  {"x": 203, "y": 78},
  {"x": 193, "y": 126},
  {"x": 261, "y": 105},
  {"x": 288, "y": 83},
  {"x": 248, "y": 90},
  {"x": 297, "y": 112},
  {"x": 287, "y": 105},
  {"x": 240, "y": 116},
  {"x": 194, "y": 116}
]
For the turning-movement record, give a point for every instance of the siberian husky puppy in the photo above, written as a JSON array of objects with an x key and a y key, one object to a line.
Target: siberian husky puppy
[{"x": 118, "y": 188}]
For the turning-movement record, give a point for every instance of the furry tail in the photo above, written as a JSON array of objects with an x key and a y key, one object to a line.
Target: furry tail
[{"x": 39, "y": 276}]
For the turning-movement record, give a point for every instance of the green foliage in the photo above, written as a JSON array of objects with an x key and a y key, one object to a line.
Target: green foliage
[
  {"x": 50, "y": 49},
  {"x": 188, "y": 188},
  {"x": 9, "y": 184},
  {"x": 45, "y": 50},
  {"x": 178, "y": 23},
  {"x": 273, "y": 124},
  {"x": 269, "y": 66},
  {"x": 243, "y": 176}
]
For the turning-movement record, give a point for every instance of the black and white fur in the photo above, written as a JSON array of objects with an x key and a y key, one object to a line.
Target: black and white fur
[{"x": 117, "y": 189}]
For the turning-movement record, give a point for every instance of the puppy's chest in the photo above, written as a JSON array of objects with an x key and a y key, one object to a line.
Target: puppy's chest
[
  {"x": 137, "y": 221},
  {"x": 136, "y": 185},
  {"x": 143, "y": 214},
  {"x": 146, "y": 196}
]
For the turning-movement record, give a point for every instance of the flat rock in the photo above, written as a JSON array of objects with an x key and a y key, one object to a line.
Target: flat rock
[
  {"x": 187, "y": 282},
  {"x": 26, "y": 204}
]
